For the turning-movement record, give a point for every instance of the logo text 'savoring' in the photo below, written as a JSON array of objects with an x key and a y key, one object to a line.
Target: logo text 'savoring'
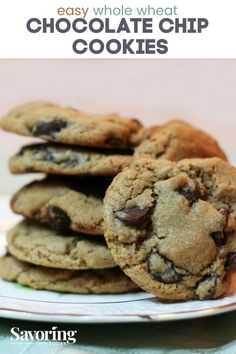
[{"x": 53, "y": 335}]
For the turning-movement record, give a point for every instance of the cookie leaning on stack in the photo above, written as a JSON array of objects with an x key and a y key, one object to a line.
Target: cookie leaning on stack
[
  {"x": 61, "y": 245},
  {"x": 172, "y": 226}
]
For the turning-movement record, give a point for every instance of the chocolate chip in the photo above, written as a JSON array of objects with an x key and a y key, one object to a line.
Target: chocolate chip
[
  {"x": 49, "y": 128},
  {"x": 114, "y": 142},
  {"x": 162, "y": 269},
  {"x": 208, "y": 286},
  {"x": 231, "y": 260},
  {"x": 218, "y": 238},
  {"x": 57, "y": 218},
  {"x": 133, "y": 216},
  {"x": 41, "y": 153},
  {"x": 191, "y": 194}
]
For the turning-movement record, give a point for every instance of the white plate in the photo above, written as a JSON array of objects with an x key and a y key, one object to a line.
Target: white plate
[{"x": 19, "y": 302}]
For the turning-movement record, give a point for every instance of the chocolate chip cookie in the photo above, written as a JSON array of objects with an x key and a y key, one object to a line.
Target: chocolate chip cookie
[
  {"x": 40, "y": 245},
  {"x": 69, "y": 126},
  {"x": 69, "y": 160},
  {"x": 64, "y": 204},
  {"x": 177, "y": 140},
  {"x": 171, "y": 226},
  {"x": 111, "y": 281}
]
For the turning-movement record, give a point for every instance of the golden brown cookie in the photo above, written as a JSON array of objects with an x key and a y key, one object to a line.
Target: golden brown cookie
[
  {"x": 69, "y": 160},
  {"x": 110, "y": 281},
  {"x": 52, "y": 122},
  {"x": 64, "y": 204},
  {"x": 177, "y": 140},
  {"x": 40, "y": 245},
  {"x": 172, "y": 226}
]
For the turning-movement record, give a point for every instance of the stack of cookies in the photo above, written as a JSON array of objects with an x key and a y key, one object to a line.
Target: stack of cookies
[
  {"x": 60, "y": 244},
  {"x": 168, "y": 216}
]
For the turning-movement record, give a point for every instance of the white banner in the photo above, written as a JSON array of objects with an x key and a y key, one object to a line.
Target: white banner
[{"x": 118, "y": 29}]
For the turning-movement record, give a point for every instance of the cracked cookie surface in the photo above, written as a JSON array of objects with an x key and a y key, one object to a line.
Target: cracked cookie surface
[
  {"x": 111, "y": 281},
  {"x": 177, "y": 140},
  {"x": 64, "y": 204},
  {"x": 52, "y": 122},
  {"x": 69, "y": 160},
  {"x": 172, "y": 226},
  {"x": 39, "y": 245}
]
